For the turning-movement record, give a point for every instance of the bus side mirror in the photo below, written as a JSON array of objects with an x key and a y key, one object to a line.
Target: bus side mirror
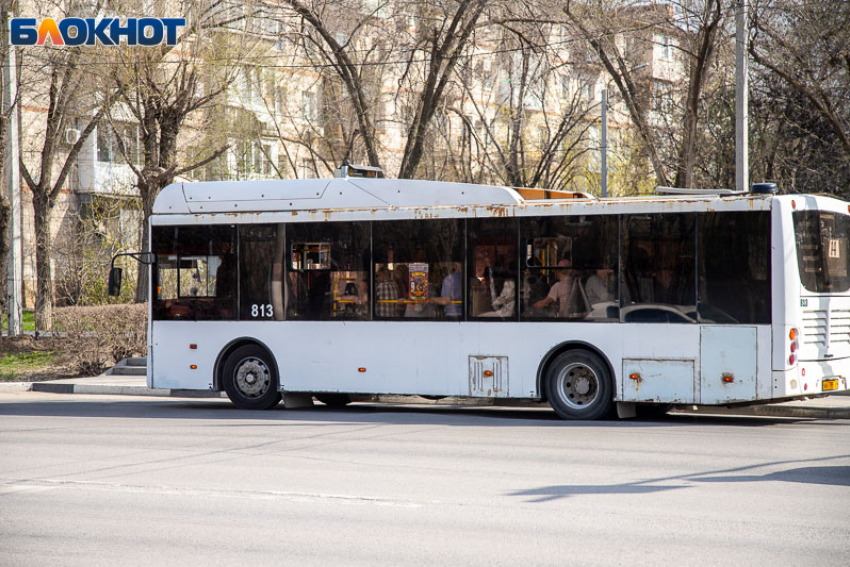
[{"x": 114, "y": 287}]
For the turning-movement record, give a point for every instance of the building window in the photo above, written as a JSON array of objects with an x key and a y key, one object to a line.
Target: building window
[
  {"x": 565, "y": 88},
  {"x": 257, "y": 159},
  {"x": 109, "y": 149},
  {"x": 310, "y": 106},
  {"x": 664, "y": 47},
  {"x": 308, "y": 169},
  {"x": 252, "y": 85},
  {"x": 588, "y": 94},
  {"x": 662, "y": 96}
]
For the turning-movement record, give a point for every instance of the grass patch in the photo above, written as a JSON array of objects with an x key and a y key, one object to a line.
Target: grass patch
[
  {"x": 17, "y": 366},
  {"x": 28, "y": 321}
]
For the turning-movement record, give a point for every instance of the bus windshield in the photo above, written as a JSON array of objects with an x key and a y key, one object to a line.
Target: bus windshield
[{"x": 822, "y": 254}]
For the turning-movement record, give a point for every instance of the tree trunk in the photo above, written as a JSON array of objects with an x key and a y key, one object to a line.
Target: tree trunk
[
  {"x": 148, "y": 195},
  {"x": 44, "y": 279},
  {"x": 706, "y": 39},
  {"x": 5, "y": 211}
]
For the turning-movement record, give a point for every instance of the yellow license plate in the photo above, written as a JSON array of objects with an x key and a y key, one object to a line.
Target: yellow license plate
[{"x": 829, "y": 385}]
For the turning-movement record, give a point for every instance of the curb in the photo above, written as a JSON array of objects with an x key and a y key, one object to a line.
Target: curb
[
  {"x": 107, "y": 390},
  {"x": 15, "y": 387},
  {"x": 772, "y": 410}
]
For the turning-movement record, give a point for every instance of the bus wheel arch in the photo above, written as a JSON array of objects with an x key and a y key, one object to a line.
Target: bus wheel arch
[
  {"x": 248, "y": 372},
  {"x": 577, "y": 380}
]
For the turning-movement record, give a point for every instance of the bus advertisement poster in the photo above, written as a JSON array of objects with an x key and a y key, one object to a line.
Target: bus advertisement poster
[{"x": 418, "y": 282}]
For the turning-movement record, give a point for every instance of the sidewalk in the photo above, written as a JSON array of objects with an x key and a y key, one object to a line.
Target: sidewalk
[{"x": 832, "y": 407}]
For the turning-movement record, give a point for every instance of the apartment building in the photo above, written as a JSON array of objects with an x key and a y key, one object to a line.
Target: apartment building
[{"x": 512, "y": 112}]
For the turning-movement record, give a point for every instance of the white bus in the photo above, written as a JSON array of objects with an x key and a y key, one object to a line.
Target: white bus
[{"x": 357, "y": 285}]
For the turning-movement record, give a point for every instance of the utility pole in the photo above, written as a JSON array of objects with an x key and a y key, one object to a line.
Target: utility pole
[
  {"x": 742, "y": 128},
  {"x": 14, "y": 270},
  {"x": 604, "y": 144}
]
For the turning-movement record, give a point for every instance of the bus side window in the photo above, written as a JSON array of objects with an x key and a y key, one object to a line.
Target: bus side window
[
  {"x": 323, "y": 259},
  {"x": 261, "y": 257},
  {"x": 195, "y": 272},
  {"x": 659, "y": 266},
  {"x": 734, "y": 267},
  {"x": 570, "y": 268},
  {"x": 414, "y": 265},
  {"x": 493, "y": 268}
]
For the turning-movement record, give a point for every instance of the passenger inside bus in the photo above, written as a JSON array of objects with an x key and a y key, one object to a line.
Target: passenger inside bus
[
  {"x": 599, "y": 286},
  {"x": 354, "y": 299},
  {"x": 451, "y": 293},
  {"x": 386, "y": 294},
  {"x": 503, "y": 305},
  {"x": 566, "y": 295}
]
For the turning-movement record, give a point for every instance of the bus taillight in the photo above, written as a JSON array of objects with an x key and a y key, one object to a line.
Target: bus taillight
[{"x": 793, "y": 346}]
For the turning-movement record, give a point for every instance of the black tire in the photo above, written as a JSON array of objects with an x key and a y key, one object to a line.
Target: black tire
[
  {"x": 250, "y": 379},
  {"x": 334, "y": 400},
  {"x": 579, "y": 386}
]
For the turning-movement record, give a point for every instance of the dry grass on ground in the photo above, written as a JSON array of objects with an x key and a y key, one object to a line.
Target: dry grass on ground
[
  {"x": 89, "y": 340},
  {"x": 26, "y": 359}
]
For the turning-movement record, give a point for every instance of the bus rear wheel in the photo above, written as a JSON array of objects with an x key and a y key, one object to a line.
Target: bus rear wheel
[
  {"x": 578, "y": 385},
  {"x": 250, "y": 379}
]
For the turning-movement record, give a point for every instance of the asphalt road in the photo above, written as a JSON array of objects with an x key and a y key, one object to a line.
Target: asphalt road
[{"x": 129, "y": 481}]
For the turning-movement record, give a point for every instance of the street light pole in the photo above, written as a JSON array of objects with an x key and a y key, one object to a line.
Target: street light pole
[
  {"x": 604, "y": 147},
  {"x": 742, "y": 158},
  {"x": 14, "y": 266}
]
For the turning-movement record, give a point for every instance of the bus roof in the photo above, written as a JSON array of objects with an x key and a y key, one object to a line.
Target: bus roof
[{"x": 281, "y": 195}]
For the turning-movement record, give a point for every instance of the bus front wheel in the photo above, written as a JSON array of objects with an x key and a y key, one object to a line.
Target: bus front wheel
[
  {"x": 250, "y": 379},
  {"x": 578, "y": 385}
]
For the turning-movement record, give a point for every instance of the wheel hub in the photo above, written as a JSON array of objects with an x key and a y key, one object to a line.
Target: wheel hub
[
  {"x": 581, "y": 386},
  {"x": 578, "y": 385},
  {"x": 252, "y": 377}
]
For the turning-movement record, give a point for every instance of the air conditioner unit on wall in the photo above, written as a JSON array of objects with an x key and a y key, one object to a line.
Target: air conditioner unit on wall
[{"x": 71, "y": 136}]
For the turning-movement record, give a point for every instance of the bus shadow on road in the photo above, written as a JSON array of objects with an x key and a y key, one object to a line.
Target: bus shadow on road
[
  {"x": 826, "y": 475},
  {"x": 424, "y": 414}
]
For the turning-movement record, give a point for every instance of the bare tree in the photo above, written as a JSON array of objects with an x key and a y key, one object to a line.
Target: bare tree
[
  {"x": 161, "y": 91},
  {"x": 335, "y": 40},
  {"x": 599, "y": 26},
  {"x": 428, "y": 54},
  {"x": 525, "y": 121},
  {"x": 701, "y": 22},
  {"x": 70, "y": 100},
  {"x": 692, "y": 29},
  {"x": 801, "y": 52}
]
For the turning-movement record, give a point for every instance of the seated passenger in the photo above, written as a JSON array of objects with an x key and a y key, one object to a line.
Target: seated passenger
[
  {"x": 598, "y": 287},
  {"x": 565, "y": 292},
  {"x": 356, "y": 295},
  {"x": 451, "y": 293},
  {"x": 504, "y": 305}
]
